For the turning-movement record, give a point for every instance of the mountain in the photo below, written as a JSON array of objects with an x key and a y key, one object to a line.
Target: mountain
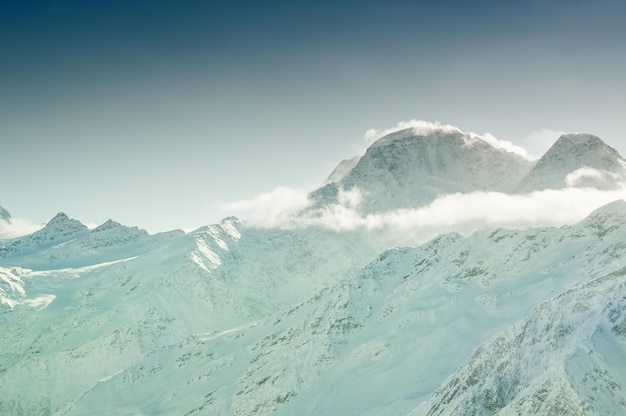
[
  {"x": 66, "y": 242},
  {"x": 58, "y": 230},
  {"x": 412, "y": 168},
  {"x": 576, "y": 160},
  {"x": 237, "y": 319},
  {"x": 205, "y": 323}
]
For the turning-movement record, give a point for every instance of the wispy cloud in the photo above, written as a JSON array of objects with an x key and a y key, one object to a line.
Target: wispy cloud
[
  {"x": 268, "y": 209},
  {"x": 17, "y": 227},
  {"x": 424, "y": 127},
  {"x": 502, "y": 144},
  {"x": 420, "y": 126}
]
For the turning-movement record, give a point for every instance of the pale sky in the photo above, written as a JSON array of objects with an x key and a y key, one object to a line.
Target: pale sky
[{"x": 156, "y": 113}]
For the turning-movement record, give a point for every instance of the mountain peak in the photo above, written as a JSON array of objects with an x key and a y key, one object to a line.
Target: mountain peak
[
  {"x": 60, "y": 217},
  {"x": 573, "y": 144},
  {"x": 61, "y": 225},
  {"x": 579, "y": 159},
  {"x": 108, "y": 224},
  {"x": 4, "y": 215}
]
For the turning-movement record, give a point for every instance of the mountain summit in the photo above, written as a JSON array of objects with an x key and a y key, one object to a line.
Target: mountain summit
[{"x": 576, "y": 160}]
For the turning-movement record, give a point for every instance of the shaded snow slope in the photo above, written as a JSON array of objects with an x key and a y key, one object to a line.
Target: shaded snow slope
[{"x": 567, "y": 358}]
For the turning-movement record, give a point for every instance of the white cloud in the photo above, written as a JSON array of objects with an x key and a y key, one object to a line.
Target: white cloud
[
  {"x": 17, "y": 227},
  {"x": 579, "y": 176},
  {"x": 424, "y": 127},
  {"x": 502, "y": 144},
  {"x": 268, "y": 209},
  {"x": 458, "y": 212}
]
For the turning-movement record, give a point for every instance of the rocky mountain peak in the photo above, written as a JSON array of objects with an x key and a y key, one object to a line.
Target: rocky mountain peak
[
  {"x": 412, "y": 167},
  {"x": 576, "y": 160}
]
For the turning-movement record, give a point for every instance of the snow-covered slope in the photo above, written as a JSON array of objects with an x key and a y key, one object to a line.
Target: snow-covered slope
[
  {"x": 413, "y": 316},
  {"x": 412, "y": 167},
  {"x": 567, "y": 358},
  {"x": 576, "y": 160},
  {"x": 202, "y": 324},
  {"x": 83, "y": 324}
]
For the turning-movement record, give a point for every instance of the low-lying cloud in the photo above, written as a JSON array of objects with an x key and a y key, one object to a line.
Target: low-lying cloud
[
  {"x": 268, "y": 209},
  {"x": 17, "y": 227},
  {"x": 460, "y": 212}
]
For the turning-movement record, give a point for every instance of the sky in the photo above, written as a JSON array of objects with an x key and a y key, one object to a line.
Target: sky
[{"x": 163, "y": 114}]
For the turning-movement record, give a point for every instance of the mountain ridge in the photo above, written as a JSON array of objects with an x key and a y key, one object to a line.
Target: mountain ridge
[{"x": 411, "y": 168}]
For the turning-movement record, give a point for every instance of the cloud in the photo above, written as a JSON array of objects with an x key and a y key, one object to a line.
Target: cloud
[
  {"x": 424, "y": 127},
  {"x": 587, "y": 176},
  {"x": 463, "y": 213},
  {"x": 17, "y": 227},
  {"x": 502, "y": 144},
  {"x": 420, "y": 126},
  {"x": 268, "y": 209}
]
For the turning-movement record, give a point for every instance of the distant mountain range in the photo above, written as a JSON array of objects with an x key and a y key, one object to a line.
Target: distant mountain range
[
  {"x": 411, "y": 168},
  {"x": 236, "y": 319}
]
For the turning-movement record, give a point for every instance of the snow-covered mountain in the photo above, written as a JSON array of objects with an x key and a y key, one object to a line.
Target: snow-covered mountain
[
  {"x": 233, "y": 319},
  {"x": 576, "y": 160},
  {"x": 412, "y": 167},
  {"x": 66, "y": 242}
]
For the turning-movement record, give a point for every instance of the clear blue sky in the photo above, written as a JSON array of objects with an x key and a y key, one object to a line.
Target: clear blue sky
[{"x": 154, "y": 112}]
